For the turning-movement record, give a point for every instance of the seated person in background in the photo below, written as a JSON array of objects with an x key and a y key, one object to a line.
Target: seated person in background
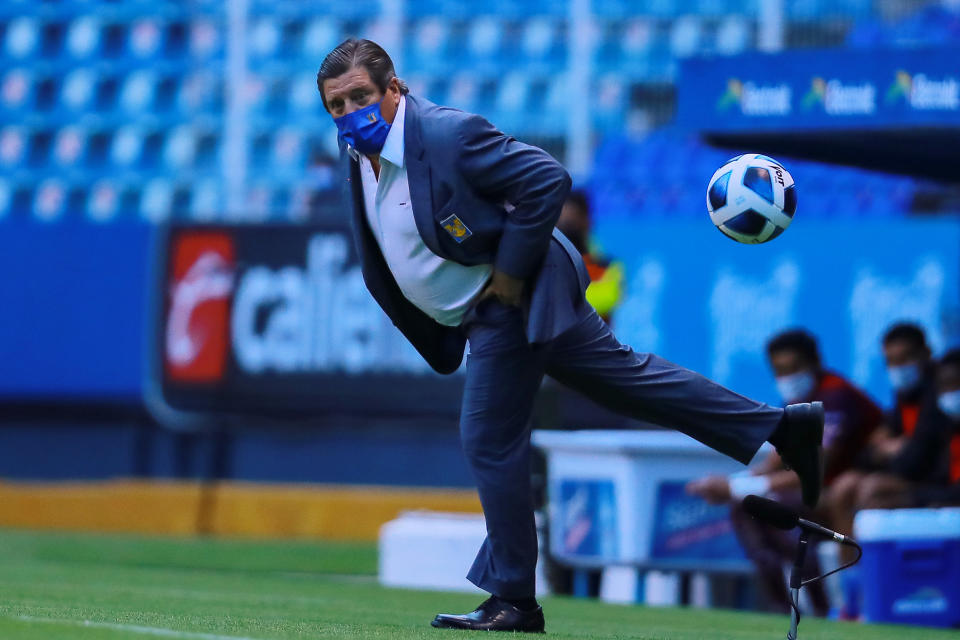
[
  {"x": 851, "y": 418},
  {"x": 899, "y": 449},
  {"x": 606, "y": 289},
  {"x": 912, "y": 377},
  {"x": 911, "y": 374},
  {"x": 926, "y": 473}
]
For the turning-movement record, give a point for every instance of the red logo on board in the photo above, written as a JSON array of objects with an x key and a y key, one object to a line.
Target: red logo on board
[{"x": 197, "y": 338}]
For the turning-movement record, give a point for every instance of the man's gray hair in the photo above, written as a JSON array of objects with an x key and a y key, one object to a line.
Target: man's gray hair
[{"x": 359, "y": 53}]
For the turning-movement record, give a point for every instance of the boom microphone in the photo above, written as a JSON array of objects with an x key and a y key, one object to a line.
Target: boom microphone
[{"x": 783, "y": 517}]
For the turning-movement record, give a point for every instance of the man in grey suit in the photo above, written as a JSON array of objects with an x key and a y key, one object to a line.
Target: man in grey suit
[{"x": 454, "y": 224}]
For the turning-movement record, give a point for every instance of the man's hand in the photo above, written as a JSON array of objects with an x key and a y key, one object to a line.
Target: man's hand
[
  {"x": 506, "y": 289},
  {"x": 713, "y": 489},
  {"x": 887, "y": 447}
]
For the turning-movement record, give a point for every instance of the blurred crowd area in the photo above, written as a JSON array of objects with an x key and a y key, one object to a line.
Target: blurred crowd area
[{"x": 208, "y": 111}]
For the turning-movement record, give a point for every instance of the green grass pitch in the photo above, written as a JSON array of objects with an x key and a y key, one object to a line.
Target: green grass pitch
[{"x": 91, "y": 587}]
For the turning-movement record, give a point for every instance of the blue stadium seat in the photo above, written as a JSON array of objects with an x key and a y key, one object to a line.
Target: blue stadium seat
[
  {"x": 78, "y": 90},
  {"x": 320, "y": 36},
  {"x": 137, "y": 91},
  {"x": 200, "y": 92},
  {"x": 732, "y": 36},
  {"x": 50, "y": 200},
  {"x": 541, "y": 38},
  {"x": 485, "y": 38},
  {"x": 22, "y": 38},
  {"x": 70, "y": 146},
  {"x": 206, "y": 39},
  {"x": 13, "y": 146},
  {"x": 99, "y": 92},
  {"x": 685, "y": 36},
  {"x": 206, "y": 203},
  {"x": 127, "y": 145},
  {"x": 429, "y": 46},
  {"x": 156, "y": 200},
  {"x": 264, "y": 37},
  {"x": 463, "y": 91},
  {"x": 146, "y": 38},
  {"x": 304, "y": 96},
  {"x": 103, "y": 201},
  {"x": 513, "y": 92},
  {"x": 180, "y": 148},
  {"x": 6, "y": 197},
  {"x": 17, "y": 90},
  {"x": 288, "y": 152}
]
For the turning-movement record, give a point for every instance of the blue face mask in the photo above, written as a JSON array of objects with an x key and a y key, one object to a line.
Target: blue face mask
[
  {"x": 364, "y": 129},
  {"x": 796, "y": 386},
  {"x": 949, "y": 403},
  {"x": 906, "y": 377}
]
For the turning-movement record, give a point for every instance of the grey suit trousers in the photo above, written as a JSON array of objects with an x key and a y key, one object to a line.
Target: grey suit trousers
[{"x": 504, "y": 372}]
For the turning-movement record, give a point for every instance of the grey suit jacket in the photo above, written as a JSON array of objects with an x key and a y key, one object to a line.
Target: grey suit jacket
[{"x": 478, "y": 197}]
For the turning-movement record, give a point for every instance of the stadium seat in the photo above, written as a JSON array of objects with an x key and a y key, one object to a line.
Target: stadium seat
[
  {"x": 137, "y": 93},
  {"x": 180, "y": 148},
  {"x": 638, "y": 38},
  {"x": 69, "y": 146},
  {"x": 16, "y": 89},
  {"x": 127, "y": 145},
  {"x": 156, "y": 200},
  {"x": 264, "y": 37},
  {"x": 732, "y": 36},
  {"x": 13, "y": 146},
  {"x": 540, "y": 35},
  {"x": 513, "y": 91},
  {"x": 83, "y": 37},
  {"x": 151, "y": 76},
  {"x": 462, "y": 92},
  {"x": 78, "y": 90},
  {"x": 206, "y": 203},
  {"x": 304, "y": 96},
  {"x": 256, "y": 92},
  {"x": 205, "y": 38},
  {"x": 429, "y": 43},
  {"x": 50, "y": 200},
  {"x": 288, "y": 149},
  {"x": 145, "y": 38},
  {"x": 685, "y": 36},
  {"x": 320, "y": 36},
  {"x": 22, "y": 38},
  {"x": 103, "y": 203},
  {"x": 199, "y": 92},
  {"x": 6, "y": 198}
]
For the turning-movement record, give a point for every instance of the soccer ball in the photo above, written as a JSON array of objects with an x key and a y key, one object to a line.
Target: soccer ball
[{"x": 752, "y": 198}]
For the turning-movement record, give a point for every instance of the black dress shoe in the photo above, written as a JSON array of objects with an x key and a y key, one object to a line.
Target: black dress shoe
[
  {"x": 493, "y": 615},
  {"x": 799, "y": 441}
]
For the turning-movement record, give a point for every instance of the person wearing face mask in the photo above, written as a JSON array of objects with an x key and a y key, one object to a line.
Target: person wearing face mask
[
  {"x": 851, "y": 418},
  {"x": 454, "y": 229},
  {"x": 911, "y": 377},
  {"x": 893, "y": 453},
  {"x": 926, "y": 471}
]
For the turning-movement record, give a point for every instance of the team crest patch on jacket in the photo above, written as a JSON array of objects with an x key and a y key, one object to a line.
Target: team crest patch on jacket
[{"x": 455, "y": 227}]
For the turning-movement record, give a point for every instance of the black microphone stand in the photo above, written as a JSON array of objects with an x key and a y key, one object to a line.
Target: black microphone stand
[{"x": 796, "y": 581}]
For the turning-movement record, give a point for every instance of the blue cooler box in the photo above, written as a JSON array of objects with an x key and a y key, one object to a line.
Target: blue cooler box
[{"x": 911, "y": 565}]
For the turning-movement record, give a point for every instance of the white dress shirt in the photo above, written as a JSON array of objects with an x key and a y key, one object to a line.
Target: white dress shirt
[{"x": 440, "y": 288}]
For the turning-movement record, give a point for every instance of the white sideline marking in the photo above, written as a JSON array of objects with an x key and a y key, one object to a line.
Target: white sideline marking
[{"x": 132, "y": 628}]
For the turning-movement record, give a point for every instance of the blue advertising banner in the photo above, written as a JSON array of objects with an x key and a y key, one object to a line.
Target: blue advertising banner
[
  {"x": 686, "y": 527},
  {"x": 708, "y": 303},
  {"x": 823, "y": 89},
  {"x": 587, "y": 519},
  {"x": 74, "y": 310}
]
